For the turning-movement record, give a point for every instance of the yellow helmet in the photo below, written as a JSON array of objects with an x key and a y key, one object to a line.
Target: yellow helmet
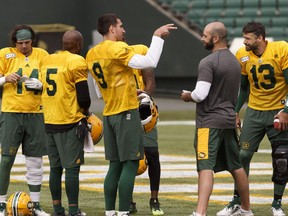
[
  {"x": 143, "y": 164},
  {"x": 96, "y": 128},
  {"x": 148, "y": 112},
  {"x": 19, "y": 204}
]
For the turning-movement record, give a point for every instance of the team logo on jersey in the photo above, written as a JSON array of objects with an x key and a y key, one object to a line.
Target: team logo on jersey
[
  {"x": 201, "y": 155},
  {"x": 244, "y": 59},
  {"x": 10, "y": 55},
  {"x": 245, "y": 145}
]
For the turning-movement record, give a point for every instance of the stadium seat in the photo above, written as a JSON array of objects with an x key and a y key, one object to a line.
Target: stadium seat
[
  {"x": 251, "y": 3},
  {"x": 282, "y": 3},
  {"x": 221, "y": 4},
  {"x": 241, "y": 21},
  {"x": 213, "y": 12},
  {"x": 200, "y": 4},
  {"x": 235, "y": 32},
  {"x": 234, "y": 4},
  {"x": 283, "y": 11},
  {"x": 194, "y": 17},
  {"x": 268, "y": 3},
  {"x": 266, "y": 21},
  {"x": 268, "y": 11},
  {"x": 276, "y": 32},
  {"x": 250, "y": 12},
  {"x": 180, "y": 7},
  {"x": 229, "y": 22},
  {"x": 231, "y": 12},
  {"x": 165, "y": 3},
  {"x": 279, "y": 21}
]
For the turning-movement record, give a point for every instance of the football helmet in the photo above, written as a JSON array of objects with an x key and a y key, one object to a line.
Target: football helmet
[
  {"x": 143, "y": 164},
  {"x": 148, "y": 112},
  {"x": 95, "y": 126},
  {"x": 19, "y": 204}
]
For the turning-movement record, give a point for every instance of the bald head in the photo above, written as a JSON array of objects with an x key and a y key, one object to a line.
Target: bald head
[
  {"x": 72, "y": 41},
  {"x": 217, "y": 28}
]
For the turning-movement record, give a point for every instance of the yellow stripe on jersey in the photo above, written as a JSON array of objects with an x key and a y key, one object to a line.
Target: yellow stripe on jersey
[
  {"x": 16, "y": 97},
  {"x": 60, "y": 72},
  {"x": 203, "y": 143},
  {"x": 139, "y": 49},
  {"x": 108, "y": 64},
  {"x": 268, "y": 88}
]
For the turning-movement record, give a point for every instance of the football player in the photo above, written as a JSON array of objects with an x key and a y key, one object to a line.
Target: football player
[
  {"x": 145, "y": 81},
  {"x": 21, "y": 119},
  {"x": 265, "y": 73}
]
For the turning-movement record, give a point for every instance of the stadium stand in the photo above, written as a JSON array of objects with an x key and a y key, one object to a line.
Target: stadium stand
[{"x": 234, "y": 14}]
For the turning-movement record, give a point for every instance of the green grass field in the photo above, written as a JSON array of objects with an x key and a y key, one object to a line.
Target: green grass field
[{"x": 178, "y": 189}]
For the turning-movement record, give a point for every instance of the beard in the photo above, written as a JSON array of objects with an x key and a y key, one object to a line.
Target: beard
[
  {"x": 251, "y": 47},
  {"x": 209, "y": 45}
]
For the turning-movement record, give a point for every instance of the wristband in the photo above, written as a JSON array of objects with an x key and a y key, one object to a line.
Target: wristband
[{"x": 2, "y": 80}]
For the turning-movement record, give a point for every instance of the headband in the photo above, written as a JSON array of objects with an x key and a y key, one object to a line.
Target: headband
[{"x": 23, "y": 34}]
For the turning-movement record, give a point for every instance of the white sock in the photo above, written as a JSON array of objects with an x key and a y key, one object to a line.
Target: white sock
[
  {"x": 110, "y": 213},
  {"x": 123, "y": 213},
  {"x": 3, "y": 198},
  {"x": 35, "y": 196}
]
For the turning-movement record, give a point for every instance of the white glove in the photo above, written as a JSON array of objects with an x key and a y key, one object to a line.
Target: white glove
[{"x": 33, "y": 83}]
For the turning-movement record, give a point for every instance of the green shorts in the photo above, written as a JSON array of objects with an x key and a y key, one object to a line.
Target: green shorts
[
  {"x": 123, "y": 136},
  {"x": 256, "y": 125},
  {"x": 65, "y": 149},
  {"x": 23, "y": 128},
  {"x": 217, "y": 149},
  {"x": 151, "y": 138}
]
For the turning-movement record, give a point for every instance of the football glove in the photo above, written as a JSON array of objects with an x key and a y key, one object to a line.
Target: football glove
[
  {"x": 33, "y": 83},
  {"x": 82, "y": 129}
]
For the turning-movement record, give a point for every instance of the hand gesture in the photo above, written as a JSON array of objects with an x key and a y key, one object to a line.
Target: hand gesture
[{"x": 164, "y": 30}]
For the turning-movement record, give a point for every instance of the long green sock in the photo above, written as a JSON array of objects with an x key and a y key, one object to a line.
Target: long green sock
[{"x": 126, "y": 184}]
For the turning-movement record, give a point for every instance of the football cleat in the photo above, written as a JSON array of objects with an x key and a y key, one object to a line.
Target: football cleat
[
  {"x": 276, "y": 209},
  {"x": 38, "y": 211},
  {"x": 231, "y": 208},
  {"x": 242, "y": 212},
  {"x": 155, "y": 207},
  {"x": 132, "y": 208}
]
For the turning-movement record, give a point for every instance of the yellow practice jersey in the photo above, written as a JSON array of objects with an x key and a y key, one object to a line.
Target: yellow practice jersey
[
  {"x": 60, "y": 72},
  {"x": 139, "y": 49},
  {"x": 108, "y": 64},
  {"x": 268, "y": 88},
  {"x": 16, "y": 97}
]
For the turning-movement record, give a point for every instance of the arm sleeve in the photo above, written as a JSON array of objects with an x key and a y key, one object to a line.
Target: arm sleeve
[
  {"x": 285, "y": 72},
  {"x": 152, "y": 56},
  {"x": 243, "y": 94},
  {"x": 201, "y": 91},
  {"x": 83, "y": 95}
]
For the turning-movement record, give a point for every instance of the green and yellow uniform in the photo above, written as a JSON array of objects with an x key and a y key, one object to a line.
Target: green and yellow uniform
[
  {"x": 265, "y": 74},
  {"x": 60, "y": 74},
  {"x": 108, "y": 64},
  {"x": 25, "y": 102}
]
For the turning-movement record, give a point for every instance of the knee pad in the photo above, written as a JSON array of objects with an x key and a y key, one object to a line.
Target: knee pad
[
  {"x": 280, "y": 162},
  {"x": 34, "y": 173}
]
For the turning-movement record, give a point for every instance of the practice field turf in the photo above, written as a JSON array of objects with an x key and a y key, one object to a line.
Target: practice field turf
[{"x": 178, "y": 189}]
